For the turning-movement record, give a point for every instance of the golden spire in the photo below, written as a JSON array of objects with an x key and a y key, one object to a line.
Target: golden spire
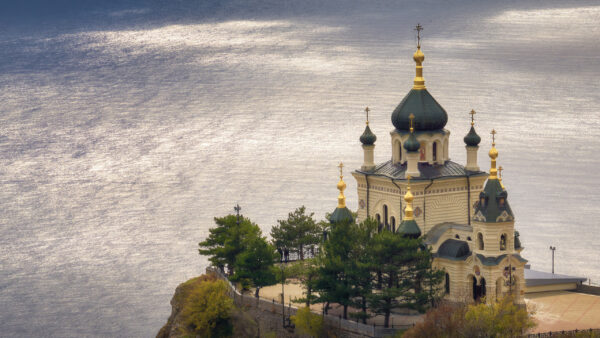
[
  {"x": 367, "y": 110},
  {"x": 419, "y": 57},
  {"x": 472, "y": 117},
  {"x": 408, "y": 197},
  {"x": 500, "y": 173},
  {"x": 341, "y": 187},
  {"x": 411, "y": 117},
  {"x": 493, "y": 154}
]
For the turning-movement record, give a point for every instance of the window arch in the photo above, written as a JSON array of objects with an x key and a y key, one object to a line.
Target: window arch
[
  {"x": 480, "y": 245},
  {"x": 447, "y": 284},
  {"x": 503, "y": 242}
]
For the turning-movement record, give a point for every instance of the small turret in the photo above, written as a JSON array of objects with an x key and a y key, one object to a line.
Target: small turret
[
  {"x": 368, "y": 144},
  {"x": 411, "y": 145},
  {"x": 472, "y": 145},
  {"x": 408, "y": 227}
]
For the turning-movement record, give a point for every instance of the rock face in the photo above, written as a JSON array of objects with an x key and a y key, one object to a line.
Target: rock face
[{"x": 174, "y": 326}]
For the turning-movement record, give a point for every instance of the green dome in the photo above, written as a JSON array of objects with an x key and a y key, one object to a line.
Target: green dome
[
  {"x": 472, "y": 139},
  {"x": 341, "y": 215},
  {"x": 368, "y": 138},
  {"x": 412, "y": 145},
  {"x": 409, "y": 229},
  {"x": 429, "y": 115}
]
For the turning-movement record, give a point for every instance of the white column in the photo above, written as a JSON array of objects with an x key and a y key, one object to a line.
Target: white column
[
  {"x": 368, "y": 162},
  {"x": 472, "y": 158},
  {"x": 412, "y": 167}
]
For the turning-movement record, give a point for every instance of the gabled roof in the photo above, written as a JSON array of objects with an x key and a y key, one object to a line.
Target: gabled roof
[{"x": 397, "y": 171}]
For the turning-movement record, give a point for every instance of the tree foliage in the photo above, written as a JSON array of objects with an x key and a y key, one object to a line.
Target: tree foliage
[
  {"x": 308, "y": 323},
  {"x": 296, "y": 232},
  {"x": 499, "y": 319},
  {"x": 207, "y": 309},
  {"x": 254, "y": 265},
  {"x": 228, "y": 240}
]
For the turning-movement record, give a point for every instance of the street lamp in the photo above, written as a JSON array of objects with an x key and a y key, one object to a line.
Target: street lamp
[{"x": 552, "y": 248}]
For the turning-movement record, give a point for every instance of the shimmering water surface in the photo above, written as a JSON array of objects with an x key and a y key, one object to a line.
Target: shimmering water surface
[{"x": 124, "y": 128}]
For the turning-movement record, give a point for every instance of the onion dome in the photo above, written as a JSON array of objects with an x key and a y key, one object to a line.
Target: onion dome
[
  {"x": 472, "y": 139},
  {"x": 429, "y": 114},
  {"x": 341, "y": 214},
  {"x": 409, "y": 227},
  {"x": 411, "y": 145},
  {"x": 368, "y": 138}
]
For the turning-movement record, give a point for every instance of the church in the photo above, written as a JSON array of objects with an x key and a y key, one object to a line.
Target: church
[{"x": 462, "y": 212}]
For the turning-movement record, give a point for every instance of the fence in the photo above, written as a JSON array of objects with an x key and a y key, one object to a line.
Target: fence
[
  {"x": 573, "y": 333},
  {"x": 349, "y": 328}
]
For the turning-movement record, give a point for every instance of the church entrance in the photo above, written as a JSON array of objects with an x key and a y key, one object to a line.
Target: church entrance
[{"x": 478, "y": 290}]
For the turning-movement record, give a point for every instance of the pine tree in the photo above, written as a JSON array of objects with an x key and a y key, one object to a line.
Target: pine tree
[
  {"x": 255, "y": 265},
  {"x": 296, "y": 232}
]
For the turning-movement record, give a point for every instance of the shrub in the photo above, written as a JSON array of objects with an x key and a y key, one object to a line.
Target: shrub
[{"x": 308, "y": 323}]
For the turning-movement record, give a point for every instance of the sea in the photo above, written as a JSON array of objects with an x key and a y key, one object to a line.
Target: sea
[{"x": 127, "y": 126}]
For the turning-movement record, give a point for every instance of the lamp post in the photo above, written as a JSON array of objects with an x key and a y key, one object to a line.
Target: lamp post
[
  {"x": 237, "y": 209},
  {"x": 552, "y": 248},
  {"x": 282, "y": 296}
]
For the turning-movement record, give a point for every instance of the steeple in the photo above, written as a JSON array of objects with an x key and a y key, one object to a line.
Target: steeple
[
  {"x": 368, "y": 144},
  {"x": 341, "y": 214},
  {"x": 408, "y": 227},
  {"x": 341, "y": 187},
  {"x": 472, "y": 145},
  {"x": 493, "y": 206},
  {"x": 419, "y": 57},
  {"x": 493, "y": 155}
]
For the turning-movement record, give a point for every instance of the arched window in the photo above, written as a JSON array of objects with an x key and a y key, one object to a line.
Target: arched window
[
  {"x": 434, "y": 151},
  {"x": 447, "y": 284},
  {"x": 457, "y": 236},
  {"x": 480, "y": 241},
  {"x": 393, "y": 223},
  {"x": 503, "y": 242},
  {"x": 385, "y": 217}
]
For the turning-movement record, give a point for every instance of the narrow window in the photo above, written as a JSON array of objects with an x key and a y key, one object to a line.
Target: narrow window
[
  {"x": 399, "y": 152},
  {"x": 503, "y": 242},
  {"x": 434, "y": 152},
  {"x": 393, "y": 221},
  {"x": 480, "y": 241},
  {"x": 385, "y": 217},
  {"x": 447, "y": 284},
  {"x": 422, "y": 152}
]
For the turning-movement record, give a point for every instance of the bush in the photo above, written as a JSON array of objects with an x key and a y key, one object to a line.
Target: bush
[
  {"x": 207, "y": 307},
  {"x": 308, "y": 323},
  {"x": 500, "y": 319}
]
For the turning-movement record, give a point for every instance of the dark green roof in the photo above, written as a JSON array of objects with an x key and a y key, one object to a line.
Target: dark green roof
[
  {"x": 412, "y": 145},
  {"x": 472, "y": 139},
  {"x": 367, "y": 137},
  {"x": 429, "y": 115},
  {"x": 454, "y": 249},
  {"x": 409, "y": 228},
  {"x": 490, "y": 261},
  {"x": 341, "y": 215},
  {"x": 489, "y": 207},
  {"x": 427, "y": 171}
]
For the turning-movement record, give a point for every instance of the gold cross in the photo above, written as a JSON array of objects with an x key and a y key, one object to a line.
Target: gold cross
[
  {"x": 419, "y": 28},
  {"x": 472, "y": 116},
  {"x": 493, "y": 136},
  {"x": 341, "y": 166},
  {"x": 367, "y": 110},
  {"x": 408, "y": 180},
  {"x": 500, "y": 171},
  {"x": 411, "y": 117}
]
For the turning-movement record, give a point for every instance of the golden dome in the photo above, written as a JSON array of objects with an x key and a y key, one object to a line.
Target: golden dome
[
  {"x": 408, "y": 197},
  {"x": 341, "y": 187},
  {"x": 419, "y": 57}
]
